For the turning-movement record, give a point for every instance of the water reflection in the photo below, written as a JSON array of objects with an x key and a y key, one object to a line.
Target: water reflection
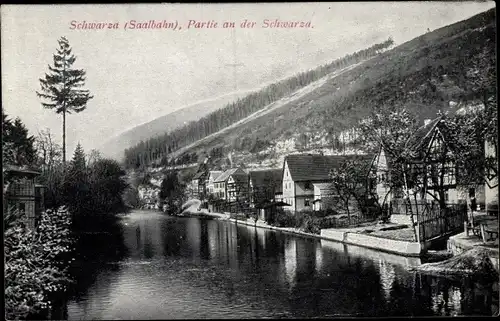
[
  {"x": 387, "y": 277},
  {"x": 200, "y": 268},
  {"x": 291, "y": 261}
]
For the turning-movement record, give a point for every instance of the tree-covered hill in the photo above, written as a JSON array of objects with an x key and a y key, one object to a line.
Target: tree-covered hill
[
  {"x": 424, "y": 75},
  {"x": 157, "y": 148}
]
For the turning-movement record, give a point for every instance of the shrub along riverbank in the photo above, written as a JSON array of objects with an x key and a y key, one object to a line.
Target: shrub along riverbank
[
  {"x": 475, "y": 262},
  {"x": 36, "y": 262},
  {"x": 309, "y": 221},
  {"x": 80, "y": 196}
]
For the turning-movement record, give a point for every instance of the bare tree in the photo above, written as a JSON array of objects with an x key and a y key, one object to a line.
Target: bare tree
[
  {"x": 93, "y": 156},
  {"x": 49, "y": 151}
]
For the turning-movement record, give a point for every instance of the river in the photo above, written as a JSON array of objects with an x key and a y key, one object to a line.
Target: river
[{"x": 160, "y": 267}]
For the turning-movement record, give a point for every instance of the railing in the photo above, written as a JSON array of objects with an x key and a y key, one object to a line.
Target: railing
[
  {"x": 343, "y": 222},
  {"x": 431, "y": 221}
]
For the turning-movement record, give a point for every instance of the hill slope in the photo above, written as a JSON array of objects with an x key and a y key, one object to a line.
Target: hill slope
[
  {"x": 114, "y": 147},
  {"x": 424, "y": 74}
]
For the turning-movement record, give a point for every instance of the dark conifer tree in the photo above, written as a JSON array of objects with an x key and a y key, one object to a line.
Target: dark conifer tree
[
  {"x": 17, "y": 146},
  {"x": 61, "y": 87}
]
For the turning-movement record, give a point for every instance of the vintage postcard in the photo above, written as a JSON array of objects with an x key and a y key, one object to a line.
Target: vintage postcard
[{"x": 267, "y": 160}]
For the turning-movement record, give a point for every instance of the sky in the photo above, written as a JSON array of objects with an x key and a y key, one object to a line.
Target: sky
[{"x": 137, "y": 75}]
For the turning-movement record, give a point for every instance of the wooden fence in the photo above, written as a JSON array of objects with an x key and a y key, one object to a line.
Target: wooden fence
[
  {"x": 430, "y": 221},
  {"x": 434, "y": 222}
]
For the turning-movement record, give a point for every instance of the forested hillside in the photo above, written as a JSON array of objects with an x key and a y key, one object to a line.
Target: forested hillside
[
  {"x": 114, "y": 146},
  {"x": 427, "y": 74},
  {"x": 158, "y": 148}
]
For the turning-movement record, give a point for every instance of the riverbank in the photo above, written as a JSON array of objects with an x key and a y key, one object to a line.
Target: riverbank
[
  {"x": 250, "y": 222},
  {"x": 358, "y": 236}
]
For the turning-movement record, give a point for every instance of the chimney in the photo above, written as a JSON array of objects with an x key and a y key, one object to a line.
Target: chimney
[{"x": 427, "y": 122}]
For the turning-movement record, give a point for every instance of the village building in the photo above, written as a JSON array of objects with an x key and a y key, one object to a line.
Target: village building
[
  {"x": 383, "y": 165},
  {"x": 302, "y": 171},
  {"x": 23, "y": 195},
  {"x": 265, "y": 189},
  {"x": 231, "y": 191},
  {"x": 231, "y": 184},
  {"x": 209, "y": 182},
  {"x": 431, "y": 173},
  {"x": 237, "y": 186},
  {"x": 264, "y": 185},
  {"x": 324, "y": 196},
  {"x": 198, "y": 182}
]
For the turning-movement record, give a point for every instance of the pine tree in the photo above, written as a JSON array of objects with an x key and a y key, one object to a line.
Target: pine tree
[
  {"x": 76, "y": 183},
  {"x": 78, "y": 161},
  {"x": 61, "y": 88}
]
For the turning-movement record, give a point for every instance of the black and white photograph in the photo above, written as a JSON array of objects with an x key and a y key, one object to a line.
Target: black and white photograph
[{"x": 250, "y": 160}]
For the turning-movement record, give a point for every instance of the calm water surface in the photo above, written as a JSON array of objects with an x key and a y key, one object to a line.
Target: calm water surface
[{"x": 160, "y": 267}]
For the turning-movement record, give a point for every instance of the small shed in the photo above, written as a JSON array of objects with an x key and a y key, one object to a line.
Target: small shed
[{"x": 268, "y": 209}]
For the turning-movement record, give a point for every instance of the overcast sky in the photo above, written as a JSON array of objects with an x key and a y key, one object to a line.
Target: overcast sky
[{"x": 139, "y": 75}]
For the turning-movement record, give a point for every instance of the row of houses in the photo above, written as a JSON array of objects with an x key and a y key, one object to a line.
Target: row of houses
[{"x": 304, "y": 182}]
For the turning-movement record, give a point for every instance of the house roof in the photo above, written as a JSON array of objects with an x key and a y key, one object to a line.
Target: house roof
[
  {"x": 240, "y": 177},
  {"x": 325, "y": 190},
  {"x": 202, "y": 171},
  {"x": 323, "y": 186},
  {"x": 19, "y": 170},
  {"x": 199, "y": 175},
  {"x": 417, "y": 140},
  {"x": 264, "y": 177},
  {"x": 307, "y": 167},
  {"x": 214, "y": 174},
  {"x": 230, "y": 172},
  {"x": 423, "y": 134}
]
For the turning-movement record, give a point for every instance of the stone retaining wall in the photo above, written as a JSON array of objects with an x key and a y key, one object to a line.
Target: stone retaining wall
[{"x": 373, "y": 242}]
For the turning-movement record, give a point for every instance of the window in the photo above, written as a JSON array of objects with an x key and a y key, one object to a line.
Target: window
[
  {"x": 23, "y": 187},
  {"x": 306, "y": 202},
  {"x": 22, "y": 208},
  {"x": 307, "y": 185}
]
